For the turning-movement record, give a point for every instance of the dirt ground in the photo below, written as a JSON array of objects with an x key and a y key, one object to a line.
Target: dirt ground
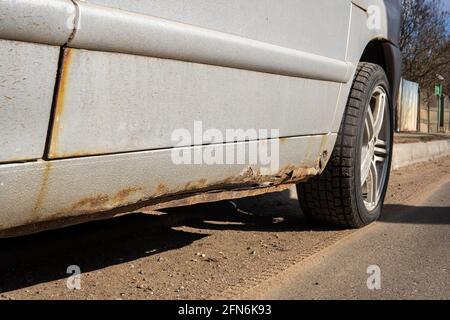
[{"x": 217, "y": 250}]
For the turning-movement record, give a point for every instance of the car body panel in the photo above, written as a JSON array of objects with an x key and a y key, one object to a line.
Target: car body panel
[
  {"x": 44, "y": 21},
  {"x": 59, "y": 189},
  {"x": 136, "y": 103},
  {"x": 359, "y": 38},
  {"x": 268, "y": 21},
  {"x": 141, "y": 104},
  {"x": 27, "y": 82}
]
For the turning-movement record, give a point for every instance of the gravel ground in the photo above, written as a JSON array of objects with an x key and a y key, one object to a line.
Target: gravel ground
[{"x": 217, "y": 250}]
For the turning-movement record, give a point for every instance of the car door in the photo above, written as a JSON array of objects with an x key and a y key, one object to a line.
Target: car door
[{"x": 136, "y": 71}]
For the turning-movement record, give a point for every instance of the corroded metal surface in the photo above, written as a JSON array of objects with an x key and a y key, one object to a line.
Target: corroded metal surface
[{"x": 64, "y": 189}]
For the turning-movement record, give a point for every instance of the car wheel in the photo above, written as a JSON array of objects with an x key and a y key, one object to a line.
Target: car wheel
[{"x": 351, "y": 190}]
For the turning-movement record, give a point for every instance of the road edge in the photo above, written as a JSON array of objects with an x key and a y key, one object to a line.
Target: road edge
[{"x": 412, "y": 153}]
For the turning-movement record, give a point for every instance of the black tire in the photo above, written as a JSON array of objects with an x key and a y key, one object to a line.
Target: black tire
[{"x": 335, "y": 197}]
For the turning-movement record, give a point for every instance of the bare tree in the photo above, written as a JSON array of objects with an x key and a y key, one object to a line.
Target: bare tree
[{"x": 425, "y": 42}]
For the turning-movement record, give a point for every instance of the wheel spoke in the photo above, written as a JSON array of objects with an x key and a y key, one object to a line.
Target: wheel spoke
[
  {"x": 372, "y": 184},
  {"x": 365, "y": 166},
  {"x": 369, "y": 126},
  {"x": 378, "y": 116}
]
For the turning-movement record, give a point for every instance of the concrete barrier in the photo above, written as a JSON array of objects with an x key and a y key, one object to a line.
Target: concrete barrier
[{"x": 411, "y": 153}]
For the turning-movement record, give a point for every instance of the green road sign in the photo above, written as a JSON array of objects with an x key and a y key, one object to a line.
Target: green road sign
[{"x": 438, "y": 90}]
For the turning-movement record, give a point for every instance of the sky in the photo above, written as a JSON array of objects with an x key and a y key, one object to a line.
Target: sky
[
  {"x": 447, "y": 7},
  {"x": 447, "y": 4}
]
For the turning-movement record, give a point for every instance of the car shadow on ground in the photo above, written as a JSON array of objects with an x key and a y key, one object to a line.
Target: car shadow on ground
[
  {"x": 44, "y": 257},
  {"x": 415, "y": 215}
]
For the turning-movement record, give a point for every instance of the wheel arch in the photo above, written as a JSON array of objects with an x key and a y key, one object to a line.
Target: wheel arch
[{"x": 388, "y": 56}]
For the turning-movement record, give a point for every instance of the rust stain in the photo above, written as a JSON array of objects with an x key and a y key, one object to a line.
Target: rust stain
[
  {"x": 194, "y": 185},
  {"x": 60, "y": 99},
  {"x": 124, "y": 194},
  {"x": 103, "y": 201},
  {"x": 101, "y": 206},
  {"x": 147, "y": 207},
  {"x": 294, "y": 174},
  {"x": 323, "y": 157},
  {"x": 250, "y": 179},
  {"x": 161, "y": 189},
  {"x": 91, "y": 202},
  {"x": 42, "y": 193}
]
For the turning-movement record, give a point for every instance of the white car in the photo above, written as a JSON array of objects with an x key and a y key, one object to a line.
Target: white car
[{"x": 108, "y": 106}]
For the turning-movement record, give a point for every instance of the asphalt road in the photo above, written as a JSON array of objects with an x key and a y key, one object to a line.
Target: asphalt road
[
  {"x": 257, "y": 247},
  {"x": 410, "y": 248}
]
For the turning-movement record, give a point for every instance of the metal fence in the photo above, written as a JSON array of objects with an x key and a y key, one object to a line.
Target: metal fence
[
  {"x": 434, "y": 117},
  {"x": 421, "y": 111},
  {"x": 408, "y": 106}
]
